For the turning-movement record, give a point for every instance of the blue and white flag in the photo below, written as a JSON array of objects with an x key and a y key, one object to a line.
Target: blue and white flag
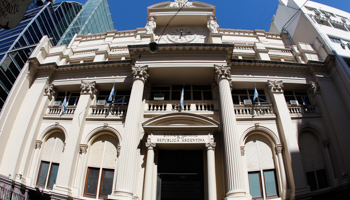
[
  {"x": 182, "y": 97},
  {"x": 64, "y": 104},
  {"x": 256, "y": 94},
  {"x": 111, "y": 95}
]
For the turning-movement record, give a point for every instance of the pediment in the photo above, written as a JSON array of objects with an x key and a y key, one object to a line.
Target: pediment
[
  {"x": 181, "y": 121},
  {"x": 167, "y": 5}
]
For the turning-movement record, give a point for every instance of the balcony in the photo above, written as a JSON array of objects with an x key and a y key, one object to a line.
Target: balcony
[
  {"x": 302, "y": 110},
  {"x": 56, "y": 111},
  {"x": 254, "y": 111},
  {"x": 107, "y": 111},
  {"x": 162, "y": 107}
]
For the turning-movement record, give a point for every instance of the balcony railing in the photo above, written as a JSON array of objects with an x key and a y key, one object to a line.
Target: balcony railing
[
  {"x": 171, "y": 106},
  {"x": 57, "y": 110},
  {"x": 301, "y": 109},
  {"x": 107, "y": 110},
  {"x": 253, "y": 110}
]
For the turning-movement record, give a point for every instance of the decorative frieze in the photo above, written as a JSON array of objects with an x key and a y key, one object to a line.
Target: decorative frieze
[
  {"x": 50, "y": 91},
  {"x": 140, "y": 73},
  {"x": 181, "y": 3},
  {"x": 222, "y": 72},
  {"x": 275, "y": 86},
  {"x": 88, "y": 88}
]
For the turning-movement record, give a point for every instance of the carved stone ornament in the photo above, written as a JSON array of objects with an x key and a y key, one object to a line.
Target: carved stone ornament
[
  {"x": 279, "y": 149},
  {"x": 222, "y": 72},
  {"x": 118, "y": 150},
  {"x": 150, "y": 26},
  {"x": 275, "y": 86},
  {"x": 211, "y": 145},
  {"x": 140, "y": 73},
  {"x": 38, "y": 144},
  {"x": 212, "y": 25},
  {"x": 314, "y": 87},
  {"x": 242, "y": 151},
  {"x": 181, "y": 3},
  {"x": 49, "y": 91},
  {"x": 88, "y": 88},
  {"x": 149, "y": 144},
  {"x": 83, "y": 148}
]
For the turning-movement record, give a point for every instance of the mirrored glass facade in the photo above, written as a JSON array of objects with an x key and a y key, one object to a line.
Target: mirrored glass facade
[
  {"x": 17, "y": 44},
  {"x": 94, "y": 18}
]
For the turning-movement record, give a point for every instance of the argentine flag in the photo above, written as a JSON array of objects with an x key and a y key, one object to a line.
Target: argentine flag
[
  {"x": 182, "y": 97},
  {"x": 256, "y": 94},
  {"x": 110, "y": 98},
  {"x": 64, "y": 104}
]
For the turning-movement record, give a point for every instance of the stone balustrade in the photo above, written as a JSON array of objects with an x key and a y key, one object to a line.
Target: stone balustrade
[
  {"x": 106, "y": 110},
  {"x": 171, "y": 106},
  {"x": 301, "y": 109},
  {"x": 256, "y": 110},
  {"x": 57, "y": 110}
]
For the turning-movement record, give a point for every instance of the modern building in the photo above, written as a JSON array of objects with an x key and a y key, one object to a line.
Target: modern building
[
  {"x": 60, "y": 22},
  {"x": 211, "y": 113},
  {"x": 16, "y": 45},
  {"x": 95, "y": 17},
  {"x": 328, "y": 30}
]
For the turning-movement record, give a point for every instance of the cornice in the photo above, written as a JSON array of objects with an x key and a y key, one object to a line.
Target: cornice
[{"x": 268, "y": 63}]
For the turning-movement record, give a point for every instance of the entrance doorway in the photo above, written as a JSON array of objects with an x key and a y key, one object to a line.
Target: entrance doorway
[{"x": 180, "y": 175}]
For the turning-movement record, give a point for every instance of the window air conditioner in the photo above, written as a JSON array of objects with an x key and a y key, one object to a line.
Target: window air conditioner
[
  {"x": 57, "y": 103},
  {"x": 158, "y": 97},
  {"x": 247, "y": 102},
  {"x": 293, "y": 102},
  {"x": 101, "y": 102}
]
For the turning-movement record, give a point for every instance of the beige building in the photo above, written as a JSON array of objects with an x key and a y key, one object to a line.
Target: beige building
[{"x": 185, "y": 122}]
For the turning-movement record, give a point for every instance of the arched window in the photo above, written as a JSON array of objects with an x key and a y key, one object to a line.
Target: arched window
[
  {"x": 101, "y": 163},
  {"x": 50, "y": 160},
  {"x": 313, "y": 161},
  {"x": 261, "y": 167}
]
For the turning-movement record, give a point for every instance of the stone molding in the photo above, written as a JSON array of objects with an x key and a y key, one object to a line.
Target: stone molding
[
  {"x": 140, "y": 73},
  {"x": 222, "y": 72},
  {"x": 38, "y": 144},
  {"x": 118, "y": 150},
  {"x": 149, "y": 144},
  {"x": 275, "y": 86},
  {"x": 314, "y": 88},
  {"x": 49, "y": 91},
  {"x": 181, "y": 3},
  {"x": 83, "y": 148},
  {"x": 88, "y": 88},
  {"x": 242, "y": 150}
]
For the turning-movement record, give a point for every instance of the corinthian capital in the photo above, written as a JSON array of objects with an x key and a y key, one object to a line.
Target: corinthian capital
[
  {"x": 275, "y": 86},
  {"x": 140, "y": 73},
  {"x": 149, "y": 144},
  {"x": 49, "y": 91},
  {"x": 314, "y": 87},
  {"x": 211, "y": 145},
  {"x": 222, "y": 72},
  {"x": 88, "y": 88}
]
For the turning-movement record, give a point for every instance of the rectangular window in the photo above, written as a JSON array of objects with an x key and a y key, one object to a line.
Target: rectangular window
[
  {"x": 238, "y": 96},
  {"x": 72, "y": 98},
  {"x": 270, "y": 183},
  {"x": 44, "y": 168},
  {"x": 53, "y": 175},
  {"x": 92, "y": 181},
  {"x": 255, "y": 184}
]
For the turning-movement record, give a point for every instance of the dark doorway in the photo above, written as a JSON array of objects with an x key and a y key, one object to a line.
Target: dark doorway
[{"x": 180, "y": 175}]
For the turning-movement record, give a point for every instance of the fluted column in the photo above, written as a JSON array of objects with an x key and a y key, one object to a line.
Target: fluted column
[
  {"x": 147, "y": 194},
  {"x": 126, "y": 172},
  {"x": 211, "y": 170},
  {"x": 287, "y": 131},
  {"x": 233, "y": 161}
]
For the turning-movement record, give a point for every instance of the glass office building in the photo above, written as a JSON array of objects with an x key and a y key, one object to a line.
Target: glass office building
[
  {"x": 17, "y": 44},
  {"x": 94, "y": 18}
]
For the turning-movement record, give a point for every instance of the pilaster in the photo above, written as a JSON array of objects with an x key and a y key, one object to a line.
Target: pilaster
[
  {"x": 65, "y": 176},
  {"x": 126, "y": 174},
  {"x": 234, "y": 163},
  {"x": 288, "y": 134}
]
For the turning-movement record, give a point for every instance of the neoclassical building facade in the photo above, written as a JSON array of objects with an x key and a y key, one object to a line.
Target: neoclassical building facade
[{"x": 210, "y": 113}]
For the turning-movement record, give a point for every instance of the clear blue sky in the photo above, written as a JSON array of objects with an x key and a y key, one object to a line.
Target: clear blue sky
[{"x": 234, "y": 14}]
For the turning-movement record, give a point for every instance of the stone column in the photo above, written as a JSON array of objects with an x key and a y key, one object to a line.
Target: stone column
[
  {"x": 66, "y": 169},
  {"x": 282, "y": 171},
  {"x": 233, "y": 162},
  {"x": 211, "y": 170},
  {"x": 126, "y": 172},
  {"x": 147, "y": 191},
  {"x": 288, "y": 133}
]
